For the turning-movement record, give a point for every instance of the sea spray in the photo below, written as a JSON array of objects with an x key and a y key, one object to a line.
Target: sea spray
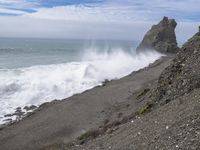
[{"x": 43, "y": 83}]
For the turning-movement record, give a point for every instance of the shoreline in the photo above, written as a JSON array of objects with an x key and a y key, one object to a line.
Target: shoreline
[
  {"x": 22, "y": 112},
  {"x": 26, "y": 90},
  {"x": 65, "y": 120}
]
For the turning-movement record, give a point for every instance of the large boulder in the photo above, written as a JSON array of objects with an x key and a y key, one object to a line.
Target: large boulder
[
  {"x": 183, "y": 75},
  {"x": 160, "y": 37}
]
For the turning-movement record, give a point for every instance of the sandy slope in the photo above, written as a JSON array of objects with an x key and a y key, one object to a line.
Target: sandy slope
[
  {"x": 171, "y": 118},
  {"x": 64, "y": 121},
  {"x": 174, "y": 126}
]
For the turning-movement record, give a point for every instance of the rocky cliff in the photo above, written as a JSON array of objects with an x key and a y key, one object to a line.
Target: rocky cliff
[
  {"x": 183, "y": 75},
  {"x": 170, "y": 118},
  {"x": 161, "y": 37}
]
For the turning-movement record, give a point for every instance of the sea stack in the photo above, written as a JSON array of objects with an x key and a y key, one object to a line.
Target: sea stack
[{"x": 160, "y": 37}]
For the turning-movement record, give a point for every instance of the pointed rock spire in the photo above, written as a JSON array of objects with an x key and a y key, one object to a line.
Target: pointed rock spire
[{"x": 161, "y": 37}]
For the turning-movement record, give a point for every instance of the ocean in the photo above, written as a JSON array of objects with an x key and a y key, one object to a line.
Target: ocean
[{"x": 34, "y": 71}]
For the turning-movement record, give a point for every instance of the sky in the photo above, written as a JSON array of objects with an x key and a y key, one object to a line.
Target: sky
[{"x": 95, "y": 19}]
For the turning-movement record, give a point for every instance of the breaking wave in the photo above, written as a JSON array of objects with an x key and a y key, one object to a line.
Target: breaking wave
[{"x": 38, "y": 84}]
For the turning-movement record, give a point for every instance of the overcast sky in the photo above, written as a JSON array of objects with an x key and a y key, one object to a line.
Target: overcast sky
[{"x": 95, "y": 19}]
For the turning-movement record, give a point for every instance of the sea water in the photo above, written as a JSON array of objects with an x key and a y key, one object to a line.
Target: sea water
[{"x": 34, "y": 71}]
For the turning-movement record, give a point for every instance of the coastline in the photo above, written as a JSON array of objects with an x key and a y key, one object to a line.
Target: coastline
[
  {"x": 64, "y": 121},
  {"x": 23, "y": 89}
]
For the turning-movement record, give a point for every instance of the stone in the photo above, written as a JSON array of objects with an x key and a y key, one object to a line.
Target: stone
[
  {"x": 160, "y": 37},
  {"x": 18, "y": 108},
  {"x": 18, "y": 113},
  {"x": 183, "y": 75},
  {"x": 28, "y": 108},
  {"x": 8, "y": 115}
]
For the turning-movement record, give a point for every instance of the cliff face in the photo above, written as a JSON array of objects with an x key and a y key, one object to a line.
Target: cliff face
[
  {"x": 183, "y": 75},
  {"x": 160, "y": 37}
]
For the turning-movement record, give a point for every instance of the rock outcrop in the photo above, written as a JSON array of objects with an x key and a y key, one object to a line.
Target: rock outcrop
[
  {"x": 183, "y": 75},
  {"x": 160, "y": 37}
]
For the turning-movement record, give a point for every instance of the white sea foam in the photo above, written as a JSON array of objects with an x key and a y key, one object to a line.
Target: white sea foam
[{"x": 38, "y": 84}]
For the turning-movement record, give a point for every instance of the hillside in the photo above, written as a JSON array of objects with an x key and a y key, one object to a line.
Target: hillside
[{"x": 170, "y": 118}]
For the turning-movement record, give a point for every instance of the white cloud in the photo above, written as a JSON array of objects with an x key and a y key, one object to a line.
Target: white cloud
[
  {"x": 18, "y": 3},
  {"x": 11, "y": 1},
  {"x": 44, "y": 28},
  {"x": 126, "y": 10},
  {"x": 11, "y": 11},
  {"x": 16, "y": 7},
  {"x": 114, "y": 19},
  {"x": 83, "y": 13}
]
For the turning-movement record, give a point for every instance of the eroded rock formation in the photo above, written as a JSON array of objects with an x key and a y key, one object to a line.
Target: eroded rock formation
[{"x": 161, "y": 37}]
